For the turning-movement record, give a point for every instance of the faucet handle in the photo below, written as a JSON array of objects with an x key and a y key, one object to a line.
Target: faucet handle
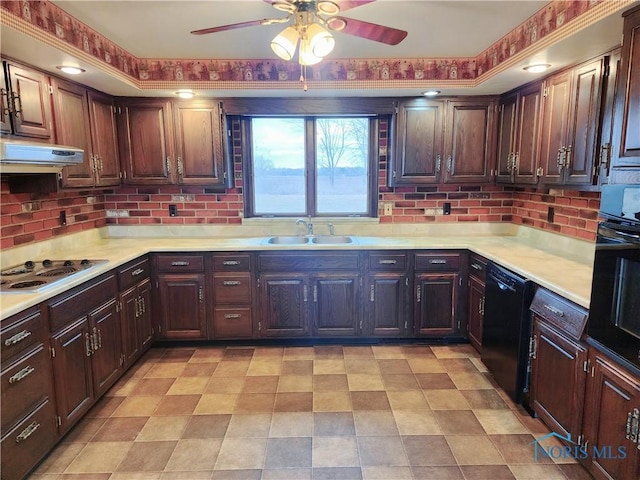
[{"x": 331, "y": 229}]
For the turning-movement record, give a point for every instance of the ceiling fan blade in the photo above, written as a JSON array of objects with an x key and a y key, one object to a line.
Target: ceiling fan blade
[
  {"x": 370, "y": 31},
  {"x": 232, "y": 26},
  {"x": 349, "y": 4}
]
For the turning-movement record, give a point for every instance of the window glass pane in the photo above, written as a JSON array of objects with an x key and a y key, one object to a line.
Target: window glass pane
[
  {"x": 278, "y": 166},
  {"x": 342, "y": 163}
]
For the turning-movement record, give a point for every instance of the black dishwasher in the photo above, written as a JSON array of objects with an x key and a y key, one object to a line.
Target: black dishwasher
[{"x": 506, "y": 330}]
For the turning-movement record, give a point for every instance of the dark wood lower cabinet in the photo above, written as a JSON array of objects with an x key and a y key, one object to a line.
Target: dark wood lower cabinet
[
  {"x": 106, "y": 341},
  {"x": 181, "y": 299},
  {"x": 558, "y": 379},
  {"x": 335, "y": 301},
  {"x": 284, "y": 300},
  {"x": 136, "y": 321},
  {"x": 386, "y": 300},
  {"x": 612, "y": 395},
  {"x": 475, "y": 312},
  {"x": 435, "y": 304}
]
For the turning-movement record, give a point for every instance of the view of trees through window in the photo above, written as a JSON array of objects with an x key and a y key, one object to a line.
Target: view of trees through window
[{"x": 295, "y": 157}]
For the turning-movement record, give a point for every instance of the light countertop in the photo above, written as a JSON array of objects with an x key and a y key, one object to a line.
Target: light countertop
[{"x": 564, "y": 269}]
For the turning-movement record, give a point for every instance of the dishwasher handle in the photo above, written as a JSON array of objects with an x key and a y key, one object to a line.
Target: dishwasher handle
[{"x": 501, "y": 285}]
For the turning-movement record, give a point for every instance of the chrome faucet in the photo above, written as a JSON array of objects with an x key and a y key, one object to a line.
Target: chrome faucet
[
  {"x": 307, "y": 223},
  {"x": 331, "y": 229}
]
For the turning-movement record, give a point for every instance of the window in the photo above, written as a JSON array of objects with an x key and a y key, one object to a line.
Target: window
[{"x": 319, "y": 166}]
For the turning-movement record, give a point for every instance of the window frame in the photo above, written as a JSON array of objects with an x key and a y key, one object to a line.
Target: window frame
[{"x": 310, "y": 167}]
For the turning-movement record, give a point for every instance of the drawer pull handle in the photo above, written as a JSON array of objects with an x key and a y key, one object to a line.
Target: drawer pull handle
[
  {"x": 28, "y": 370},
  {"x": 18, "y": 337},
  {"x": 229, "y": 263},
  {"x": 179, "y": 264},
  {"x": 231, "y": 283},
  {"x": 554, "y": 310},
  {"x": 437, "y": 261},
  {"x": 387, "y": 262},
  {"x": 232, "y": 316},
  {"x": 477, "y": 266},
  {"x": 27, "y": 432},
  {"x": 137, "y": 272}
]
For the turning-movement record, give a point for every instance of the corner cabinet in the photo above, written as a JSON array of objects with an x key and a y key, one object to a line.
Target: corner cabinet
[
  {"x": 164, "y": 142},
  {"x": 626, "y": 135},
  {"x": 438, "y": 293}
]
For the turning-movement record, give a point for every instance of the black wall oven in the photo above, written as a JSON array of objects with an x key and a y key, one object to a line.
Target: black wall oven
[{"x": 614, "y": 313}]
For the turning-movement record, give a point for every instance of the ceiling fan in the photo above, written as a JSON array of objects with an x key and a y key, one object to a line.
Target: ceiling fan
[{"x": 312, "y": 22}]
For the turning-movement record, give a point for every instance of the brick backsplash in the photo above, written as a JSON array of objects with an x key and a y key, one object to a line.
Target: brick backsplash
[{"x": 29, "y": 218}]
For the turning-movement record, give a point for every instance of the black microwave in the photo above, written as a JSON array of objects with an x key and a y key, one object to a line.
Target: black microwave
[{"x": 614, "y": 313}]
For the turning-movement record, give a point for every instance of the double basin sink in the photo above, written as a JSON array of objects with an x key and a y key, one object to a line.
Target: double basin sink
[{"x": 310, "y": 240}]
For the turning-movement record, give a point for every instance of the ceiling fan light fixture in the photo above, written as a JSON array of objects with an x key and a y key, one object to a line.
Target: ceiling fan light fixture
[
  {"x": 306, "y": 55},
  {"x": 320, "y": 40},
  {"x": 537, "y": 68},
  {"x": 284, "y": 44},
  {"x": 336, "y": 24}
]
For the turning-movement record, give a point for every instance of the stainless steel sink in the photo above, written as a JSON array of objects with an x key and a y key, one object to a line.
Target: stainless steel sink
[
  {"x": 331, "y": 239},
  {"x": 288, "y": 240}
]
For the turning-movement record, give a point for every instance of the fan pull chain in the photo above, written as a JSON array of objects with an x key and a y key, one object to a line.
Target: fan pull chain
[{"x": 303, "y": 77}]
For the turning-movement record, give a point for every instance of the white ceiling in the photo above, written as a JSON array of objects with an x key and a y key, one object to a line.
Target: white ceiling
[{"x": 161, "y": 29}]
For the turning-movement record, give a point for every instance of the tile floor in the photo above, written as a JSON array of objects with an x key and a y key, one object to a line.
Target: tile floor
[{"x": 325, "y": 412}]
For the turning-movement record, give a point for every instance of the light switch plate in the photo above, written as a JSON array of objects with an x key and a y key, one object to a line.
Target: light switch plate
[{"x": 388, "y": 208}]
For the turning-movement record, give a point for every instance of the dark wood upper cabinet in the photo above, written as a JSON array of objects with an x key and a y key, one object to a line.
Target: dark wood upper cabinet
[
  {"x": 607, "y": 109},
  {"x": 419, "y": 139},
  {"x": 5, "y": 113},
  {"x": 570, "y": 122},
  {"x": 104, "y": 139},
  {"x": 469, "y": 141},
  {"x": 29, "y": 102},
  {"x": 626, "y": 127},
  {"x": 519, "y": 135},
  {"x": 198, "y": 135},
  {"x": 145, "y": 133}
]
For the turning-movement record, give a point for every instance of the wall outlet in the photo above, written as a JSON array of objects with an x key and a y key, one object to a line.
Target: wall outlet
[
  {"x": 388, "y": 208},
  {"x": 550, "y": 214},
  {"x": 446, "y": 208},
  {"x": 63, "y": 217},
  {"x": 173, "y": 210}
]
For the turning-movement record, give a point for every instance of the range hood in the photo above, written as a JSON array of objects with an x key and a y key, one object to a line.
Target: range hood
[{"x": 18, "y": 156}]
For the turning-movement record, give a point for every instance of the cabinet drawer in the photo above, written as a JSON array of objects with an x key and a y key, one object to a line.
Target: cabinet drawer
[
  {"x": 181, "y": 263},
  {"x": 133, "y": 272},
  {"x": 309, "y": 262},
  {"x": 232, "y": 289},
  {"x": 232, "y": 323},
  {"x": 24, "y": 385},
  {"x": 233, "y": 262},
  {"x": 387, "y": 262},
  {"x": 478, "y": 267},
  {"x": 437, "y": 262},
  {"x": 560, "y": 312},
  {"x": 80, "y": 300},
  {"x": 20, "y": 332},
  {"x": 24, "y": 446}
]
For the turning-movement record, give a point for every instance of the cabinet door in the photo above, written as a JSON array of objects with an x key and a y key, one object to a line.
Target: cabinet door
[
  {"x": 469, "y": 141},
  {"x": 199, "y": 151},
  {"x": 555, "y": 122},
  {"x": 612, "y": 394},
  {"x": 418, "y": 152},
  {"x": 72, "y": 128},
  {"x": 335, "y": 301},
  {"x": 106, "y": 338},
  {"x": 507, "y": 128},
  {"x": 73, "y": 380},
  {"x": 144, "y": 129},
  {"x": 476, "y": 312},
  {"x": 129, "y": 325},
  {"x": 284, "y": 300},
  {"x": 5, "y": 118},
  {"x": 436, "y": 302},
  {"x": 182, "y": 306},
  {"x": 626, "y": 134},
  {"x": 558, "y": 380},
  {"x": 32, "y": 101},
  {"x": 611, "y": 69},
  {"x": 584, "y": 123},
  {"x": 146, "y": 328},
  {"x": 527, "y": 146},
  {"x": 104, "y": 139},
  {"x": 386, "y": 304}
]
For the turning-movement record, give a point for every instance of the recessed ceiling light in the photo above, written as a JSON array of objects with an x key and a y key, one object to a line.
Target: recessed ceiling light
[
  {"x": 185, "y": 93},
  {"x": 431, "y": 93},
  {"x": 70, "y": 70},
  {"x": 537, "y": 68}
]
